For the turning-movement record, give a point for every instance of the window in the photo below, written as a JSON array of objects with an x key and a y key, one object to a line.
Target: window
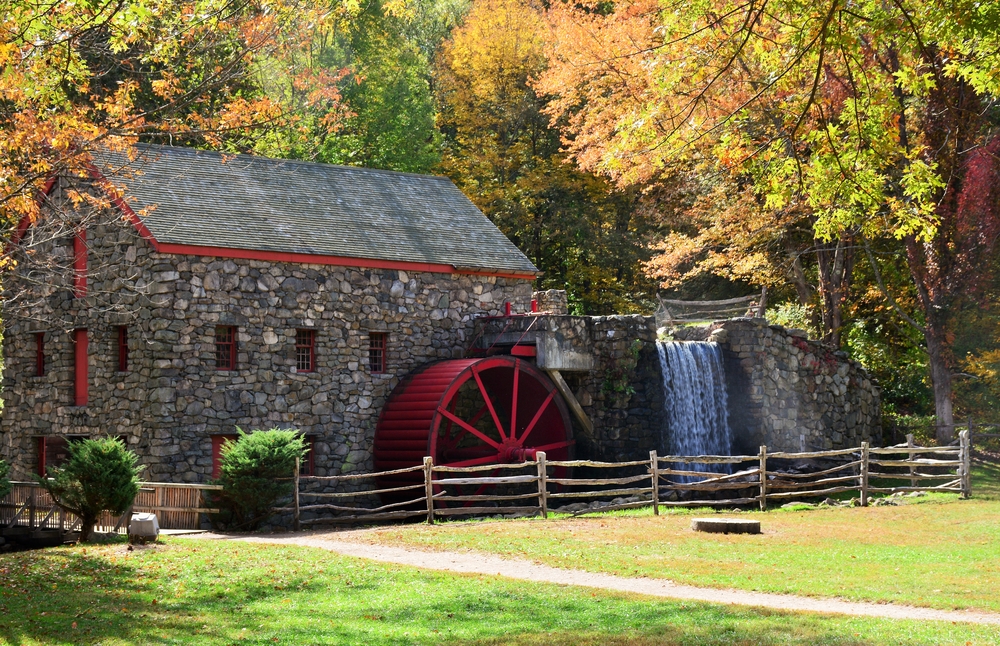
[
  {"x": 122, "y": 348},
  {"x": 305, "y": 350},
  {"x": 217, "y": 442},
  {"x": 376, "y": 352},
  {"x": 81, "y": 374},
  {"x": 225, "y": 347},
  {"x": 80, "y": 264},
  {"x": 307, "y": 466},
  {"x": 52, "y": 452},
  {"x": 39, "y": 354}
]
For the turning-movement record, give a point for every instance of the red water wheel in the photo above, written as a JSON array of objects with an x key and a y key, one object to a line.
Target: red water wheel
[{"x": 468, "y": 412}]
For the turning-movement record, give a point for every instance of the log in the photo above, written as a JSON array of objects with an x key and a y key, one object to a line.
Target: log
[
  {"x": 814, "y": 454},
  {"x": 372, "y": 492},
  {"x": 543, "y": 487},
  {"x": 816, "y": 474},
  {"x": 599, "y": 465},
  {"x": 487, "y": 480},
  {"x": 365, "y": 510},
  {"x": 915, "y": 449},
  {"x": 920, "y": 462},
  {"x": 361, "y": 476},
  {"x": 781, "y": 484},
  {"x": 911, "y": 476},
  {"x": 711, "y": 503},
  {"x": 598, "y": 510},
  {"x": 482, "y": 467},
  {"x": 708, "y": 459},
  {"x": 864, "y": 474},
  {"x": 599, "y": 481},
  {"x": 483, "y": 497},
  {"x": 711, "y": 486},
  {"x": 601, "y": 494},
  {"x": 655, "y": 480},
  {"x": 388, "y": 515},
  {"x": 954, "y": 486},
  {"x": 485, "y": 511},
  {"x": 725, "y": 525},
  {"x": 812, "y": 494}
]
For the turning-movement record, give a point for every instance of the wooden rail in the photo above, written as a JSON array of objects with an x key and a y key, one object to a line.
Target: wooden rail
[
  {"x": 662, "y": 481},
  {"x": 177, "y": 506}
]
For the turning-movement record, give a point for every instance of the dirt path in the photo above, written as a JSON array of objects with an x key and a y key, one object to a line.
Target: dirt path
[{"x": 477, "y": 563}]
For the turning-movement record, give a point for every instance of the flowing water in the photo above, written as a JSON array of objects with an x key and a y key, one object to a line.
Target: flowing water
[{"x": 695, "y": 401}]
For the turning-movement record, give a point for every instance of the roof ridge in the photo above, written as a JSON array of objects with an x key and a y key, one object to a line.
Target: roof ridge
[{"x": 302, "y": 162}]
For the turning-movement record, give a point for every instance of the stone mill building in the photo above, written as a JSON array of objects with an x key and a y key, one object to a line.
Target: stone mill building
[{"x": 225, "y": 291}]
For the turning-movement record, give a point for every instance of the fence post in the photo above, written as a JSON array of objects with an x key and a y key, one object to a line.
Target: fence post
[
  {"x": 864, "y": 474},
  {"x": 654, "y": 468},
  {"x": 295, "y": 477},
  {"x": 543, "y": 484},
  {"x": 909, "y": 456},
  {"x": 429, "y": 487},
  {"x": 763, "y": 478},
  {"x": 965, "y": 454},
  {"x": 31, "y": 511}
]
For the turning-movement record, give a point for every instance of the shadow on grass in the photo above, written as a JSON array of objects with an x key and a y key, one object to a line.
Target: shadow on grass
[{"x": 207, "y": 592}]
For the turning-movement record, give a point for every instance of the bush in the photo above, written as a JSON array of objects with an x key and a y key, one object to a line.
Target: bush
[
  {"x": 4, "y": 481},
  {"x": 100, "y": 475},
  {"x": 249, "y": 472}
]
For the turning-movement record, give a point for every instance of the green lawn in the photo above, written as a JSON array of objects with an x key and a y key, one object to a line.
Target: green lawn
[
  {"x": 936, "y": 551},
  {"x": 215, "y": 592}
]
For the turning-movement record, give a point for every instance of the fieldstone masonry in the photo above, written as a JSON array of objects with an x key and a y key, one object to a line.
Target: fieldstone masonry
[
  {"x": 785, "y": 391},
  {"x": 172, "y": 399}
]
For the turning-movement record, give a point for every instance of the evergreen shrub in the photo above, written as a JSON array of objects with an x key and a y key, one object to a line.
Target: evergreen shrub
[
  {"x": 100, "y": 475},
  {"x": 255, "y": 472},
  {"x": 4, "y": 480}
]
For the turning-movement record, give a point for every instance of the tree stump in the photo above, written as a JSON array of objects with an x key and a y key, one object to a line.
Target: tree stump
[{"x": 725, "y": 525}]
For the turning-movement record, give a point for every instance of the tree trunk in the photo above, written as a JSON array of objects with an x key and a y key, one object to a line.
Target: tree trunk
[
  {"x": 941, "y": 379},
  {"x": 835, "y": 264},
  {"x": 86, "y": 528}
]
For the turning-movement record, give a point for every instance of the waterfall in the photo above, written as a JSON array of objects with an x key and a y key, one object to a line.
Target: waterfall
[{"x": 694, "y": 389}]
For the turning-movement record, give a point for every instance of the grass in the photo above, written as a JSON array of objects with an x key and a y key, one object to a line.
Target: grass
[
  {"x": 935, "y": 551},
  {"x": 215, "y": 592}
]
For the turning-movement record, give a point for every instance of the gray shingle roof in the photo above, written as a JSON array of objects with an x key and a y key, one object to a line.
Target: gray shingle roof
[{"x": 255, "y": 203}]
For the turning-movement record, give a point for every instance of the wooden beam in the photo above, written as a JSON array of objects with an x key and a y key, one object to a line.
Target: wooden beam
[{"x": 574, "y": 405}]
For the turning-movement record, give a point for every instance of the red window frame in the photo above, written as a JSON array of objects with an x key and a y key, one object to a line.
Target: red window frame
[
  {"x": 307, "y": 467},
  {"x": 225, "y": 347},
  {"x": 39, "y": 354},
  {"x": 80, "y": 264},
  {"x": 81, "y": 371},
  {"x": 217, "y": 442},
  {"x": 305, "y": 350},
  {"x": 377, "y": 342},
  {"x": 122, "y": 348},
  {"x": 52, "y": 452}
]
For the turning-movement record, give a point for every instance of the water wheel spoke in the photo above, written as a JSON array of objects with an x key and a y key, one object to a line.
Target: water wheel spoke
[
  {"x": 488, "y": 459},
  {"x": 475, "y": 431},
  {"x": 478, "y": 416},
  {"x": 538, "y": 415},
  {"x": 489, "y": 403},
  {"x": 554, "y": 445}
]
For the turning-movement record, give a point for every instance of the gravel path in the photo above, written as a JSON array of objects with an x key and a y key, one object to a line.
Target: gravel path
[{"x": 477, "y": 563}]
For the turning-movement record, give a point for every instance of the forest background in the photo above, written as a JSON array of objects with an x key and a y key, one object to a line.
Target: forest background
[{"x": 843, "y": 156}]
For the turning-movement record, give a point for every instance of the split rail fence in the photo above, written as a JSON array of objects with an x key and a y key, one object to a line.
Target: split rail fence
[
  {"x": 177, "y": 506},
  {"x": 661, "y": 481}
]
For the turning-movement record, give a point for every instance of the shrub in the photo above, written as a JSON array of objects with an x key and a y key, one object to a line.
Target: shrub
[
  {"x": 4, "y": 481},
  {"x": 100, "y": 475},
  {"x": 249, "y": 473}
]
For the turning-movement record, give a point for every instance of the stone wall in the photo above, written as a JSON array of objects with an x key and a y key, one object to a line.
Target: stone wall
[
  {"x": 790, "y": 393},
  {"x": 172, "y": 400},
  {"x": 785, "y": 391}
]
